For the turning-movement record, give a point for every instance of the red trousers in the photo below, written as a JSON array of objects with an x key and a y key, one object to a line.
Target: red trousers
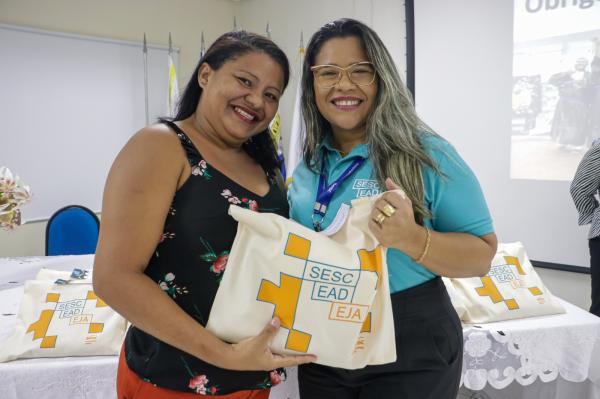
[{"x": 130, "y": 386}]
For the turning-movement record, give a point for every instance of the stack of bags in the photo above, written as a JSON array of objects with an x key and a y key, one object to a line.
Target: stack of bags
[{"x": 60, "y": 315}]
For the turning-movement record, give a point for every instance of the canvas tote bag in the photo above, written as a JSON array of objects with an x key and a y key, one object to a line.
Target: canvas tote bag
[
  {"x": 64, "y": 319},
  {"x": 511, "y": 290},
  {"x": 330, "y": 293}
]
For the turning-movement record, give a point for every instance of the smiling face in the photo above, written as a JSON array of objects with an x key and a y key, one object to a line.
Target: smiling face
[
  {"x": 240, "y": 98},
  {"x": 345, "y": 106}
]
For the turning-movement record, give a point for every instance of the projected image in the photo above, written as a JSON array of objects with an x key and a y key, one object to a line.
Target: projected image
[{"x": 556, "y": 87}]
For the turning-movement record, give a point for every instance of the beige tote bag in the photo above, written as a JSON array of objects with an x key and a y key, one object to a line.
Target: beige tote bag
[
  {"x": 330, "y": 293},
  {"x": 66, "y": 319},
  {"x": 511, "y": 290}
]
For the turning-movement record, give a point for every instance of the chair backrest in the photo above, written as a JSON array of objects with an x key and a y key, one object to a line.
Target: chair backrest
[{"x": 72, "y": 230}]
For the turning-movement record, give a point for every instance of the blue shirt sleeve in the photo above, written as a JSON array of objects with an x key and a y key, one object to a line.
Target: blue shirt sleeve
[{"x": 455, "y": 198}]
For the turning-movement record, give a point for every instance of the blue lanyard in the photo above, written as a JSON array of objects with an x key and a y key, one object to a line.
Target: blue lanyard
[{"x": 325, "y": 192}]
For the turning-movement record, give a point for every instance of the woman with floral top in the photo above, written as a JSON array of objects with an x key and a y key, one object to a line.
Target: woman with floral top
[{"x": 165, "y": 235}]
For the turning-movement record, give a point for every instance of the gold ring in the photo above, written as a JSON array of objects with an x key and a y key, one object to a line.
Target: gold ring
[
  {"x": 388, "y": 210},
  {"x": 380, "y": 218}
]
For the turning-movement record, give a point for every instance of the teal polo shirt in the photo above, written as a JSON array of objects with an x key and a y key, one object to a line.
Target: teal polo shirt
[{"x": 455, "y": 199}]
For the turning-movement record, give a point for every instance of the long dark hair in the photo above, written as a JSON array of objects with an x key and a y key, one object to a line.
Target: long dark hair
[
  {"x": 394, "y": 131},
  {"x": 228, "y": 47}
]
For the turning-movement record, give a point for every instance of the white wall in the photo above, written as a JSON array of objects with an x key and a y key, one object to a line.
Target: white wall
[
  {"x": 572, "y": 287},
  {"x": 128, "y": 20},
  {"x": 25, "y": 240}
]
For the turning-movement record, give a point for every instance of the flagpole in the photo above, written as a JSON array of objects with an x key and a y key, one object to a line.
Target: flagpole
[
  {"x": 145, "y": 50},
  {"x": 202, "y": 46},
  {"x": 298, "y": 129},
  {"x": 275, "y": 128}
]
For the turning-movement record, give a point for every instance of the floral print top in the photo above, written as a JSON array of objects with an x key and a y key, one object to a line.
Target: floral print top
[{"x": 188, "y": 265}]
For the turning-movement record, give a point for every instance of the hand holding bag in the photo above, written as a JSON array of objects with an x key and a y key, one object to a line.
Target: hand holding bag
[{"x": 330, "y": 293}]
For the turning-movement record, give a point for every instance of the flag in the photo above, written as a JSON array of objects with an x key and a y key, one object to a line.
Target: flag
[
  {"x": 202, "y": 46},
  {"x": 298, "y": 128},
  {"x": 275, "y": 129},
  {"x": 173, "y": 88},
  {"x": 173, "y": 94}
]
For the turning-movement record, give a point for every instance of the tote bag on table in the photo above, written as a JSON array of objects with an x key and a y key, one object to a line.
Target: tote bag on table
[
  {"x": 511, "y": 290},
  {"x": 64, "y": 319}
]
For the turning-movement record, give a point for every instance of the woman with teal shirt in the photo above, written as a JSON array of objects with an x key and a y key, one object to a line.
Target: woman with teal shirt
[{"x": 363, "y": 137}]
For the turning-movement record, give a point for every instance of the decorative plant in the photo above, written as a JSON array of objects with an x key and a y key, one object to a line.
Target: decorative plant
[{"x": 13, "y": 194}]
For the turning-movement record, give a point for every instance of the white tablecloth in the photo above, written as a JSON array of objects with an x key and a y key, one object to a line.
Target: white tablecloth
[
  {"x": 558, "y": 354},
  {"x": 525, "y": 350}
]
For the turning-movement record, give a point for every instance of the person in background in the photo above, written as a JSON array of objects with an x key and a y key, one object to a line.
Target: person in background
[
  {"x": 593, "y": 93},
  {"x": 165, "y": 234},
  {"x": 362, "y": 131},
  {"x": 584, "y": 191},
  {"x": 570, "y": 119}
]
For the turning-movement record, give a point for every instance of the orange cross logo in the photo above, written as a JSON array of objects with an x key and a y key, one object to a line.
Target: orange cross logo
[{"x": 331, "y": 283}]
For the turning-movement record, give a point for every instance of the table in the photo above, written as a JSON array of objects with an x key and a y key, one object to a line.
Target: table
[
  {"x": 538, "y": 357},
  {"x": 549, "y": 357}
]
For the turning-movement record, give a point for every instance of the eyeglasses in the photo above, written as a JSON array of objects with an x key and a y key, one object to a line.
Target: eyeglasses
[{"x": 361, "y": 74}]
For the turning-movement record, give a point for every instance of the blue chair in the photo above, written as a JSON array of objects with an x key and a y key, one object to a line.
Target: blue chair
[{"x": 72, "y": 230}]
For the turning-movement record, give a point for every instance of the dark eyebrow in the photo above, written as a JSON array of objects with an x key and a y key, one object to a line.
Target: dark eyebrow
[
  {"x": 256, "y": 77},
  {"x": 250, "y": 73}
]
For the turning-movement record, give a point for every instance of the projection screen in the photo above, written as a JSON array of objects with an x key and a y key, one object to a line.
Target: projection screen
[{"x": 515, "y": 86}]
